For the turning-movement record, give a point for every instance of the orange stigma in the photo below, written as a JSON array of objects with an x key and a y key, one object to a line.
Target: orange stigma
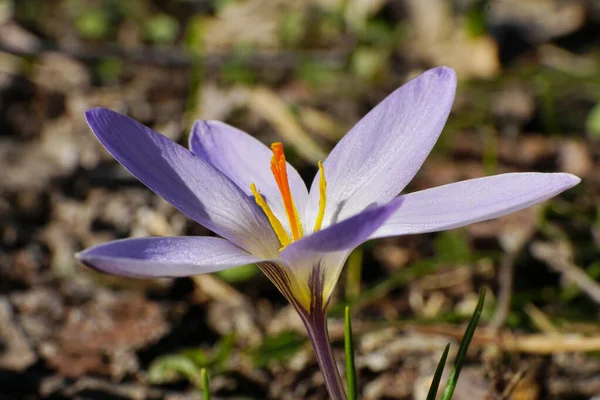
[{"x": 279, "y": 170}]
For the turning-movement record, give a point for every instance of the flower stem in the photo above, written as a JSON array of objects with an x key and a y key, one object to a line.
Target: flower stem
[{"x": 316, "y": 325}]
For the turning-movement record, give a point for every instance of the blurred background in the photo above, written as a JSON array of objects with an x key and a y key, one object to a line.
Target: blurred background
[{"x": 301, "y": 72}]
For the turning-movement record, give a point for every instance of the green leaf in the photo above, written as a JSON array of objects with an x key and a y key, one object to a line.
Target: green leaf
[
  {"x": 109, "y": 69},
  {"x": 193, "y": 38},
  {"x": 205, "y": 384},
  {"x": 592, "y": 122},
  {"x": 378, "y": 33},
  {"x": 317, "y": 74},
  {"x": 349, "y": 349},
  {"x": 277, "y": 347},
  {"x": 475, "y": 23},
  {"x": 171, "y": 368},
  {"x": 223, "y": 350},
  {"x": 197, "y": 356},
  {"x": 238, "y": 274},
  {"x": 220, "y": 5},
  {"x": 162, "y": 29},
  {"x": 292, "y": 27},
  {"x": 370, "y": 63},
  {"x": 437, "y": 377},
  {"x": 93, "y": 24},
  {"x": 462, "y": 350},
  {"x": 451, "y": 246},
  {"x": 237, "y": 72},
  {"x": 190, "y": 363},
  {"x": 354, "y": 273}
]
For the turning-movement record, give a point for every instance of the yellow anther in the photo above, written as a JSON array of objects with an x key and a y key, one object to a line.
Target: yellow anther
[
  {"x": 279, "y": 170},
  {"x": 322, "y": 197},
  {"x": 282, "y": 235}
]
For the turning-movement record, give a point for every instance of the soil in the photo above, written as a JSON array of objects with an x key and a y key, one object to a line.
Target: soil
[{"x": 302, "y": 73}]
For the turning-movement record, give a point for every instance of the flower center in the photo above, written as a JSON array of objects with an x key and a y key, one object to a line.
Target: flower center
[{"x": 279, "y": 170}]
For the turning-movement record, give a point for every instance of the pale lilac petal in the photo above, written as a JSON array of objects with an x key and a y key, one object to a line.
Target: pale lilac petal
[
  {"x": 462, "y": 203},
  {"x": 344, "y": 235},
  {"x": 191, "y": 184},
  {"x": 156, "y": 257},
  {"x": 381, "y": 154},
  {"x": 325, "y": 251},
  {"x": 245, "y": 160}
]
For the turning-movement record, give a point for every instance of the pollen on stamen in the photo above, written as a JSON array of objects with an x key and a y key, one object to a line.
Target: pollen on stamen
[
  {"x": 282, "y": 235},
  {"x": 322, "y": 197}
]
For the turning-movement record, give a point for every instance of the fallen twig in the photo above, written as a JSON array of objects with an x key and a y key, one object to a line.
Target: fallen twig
[{"x": 555, "y": 256}]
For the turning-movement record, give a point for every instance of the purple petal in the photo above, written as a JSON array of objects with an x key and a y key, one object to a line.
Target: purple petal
[
  {"x": 344, "y": 235},
  {"x": 462, "y": 203},
  {"x": 244, "y": 160},
  {"x": 156, "y": 257},
  {"x": 325, "y": 251},
  {"x": 382, "y": 153},
  {"x": 192, "y": 185}
]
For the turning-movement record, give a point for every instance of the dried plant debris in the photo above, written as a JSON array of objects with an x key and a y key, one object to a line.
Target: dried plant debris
[
  {"x": 99, "y": 335},
  {"x": 302, "y": 73}
]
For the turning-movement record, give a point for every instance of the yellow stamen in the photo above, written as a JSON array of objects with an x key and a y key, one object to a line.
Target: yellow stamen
[
  {"x": 282, "y": 235},
  {"x": 322, "y": 197},
  {"x": 279, "y": 169}
]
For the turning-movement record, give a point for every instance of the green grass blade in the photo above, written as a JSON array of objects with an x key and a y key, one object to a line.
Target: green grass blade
[
  {"x": 349, "y": 349},
  {"x": 462, "y": 350},
  {"x": 205, "y": 384},
  {"x": 437, "y": 377}
]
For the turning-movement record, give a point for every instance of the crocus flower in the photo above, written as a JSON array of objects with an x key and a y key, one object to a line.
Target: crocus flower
[{"x": 249, "y": 195}]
